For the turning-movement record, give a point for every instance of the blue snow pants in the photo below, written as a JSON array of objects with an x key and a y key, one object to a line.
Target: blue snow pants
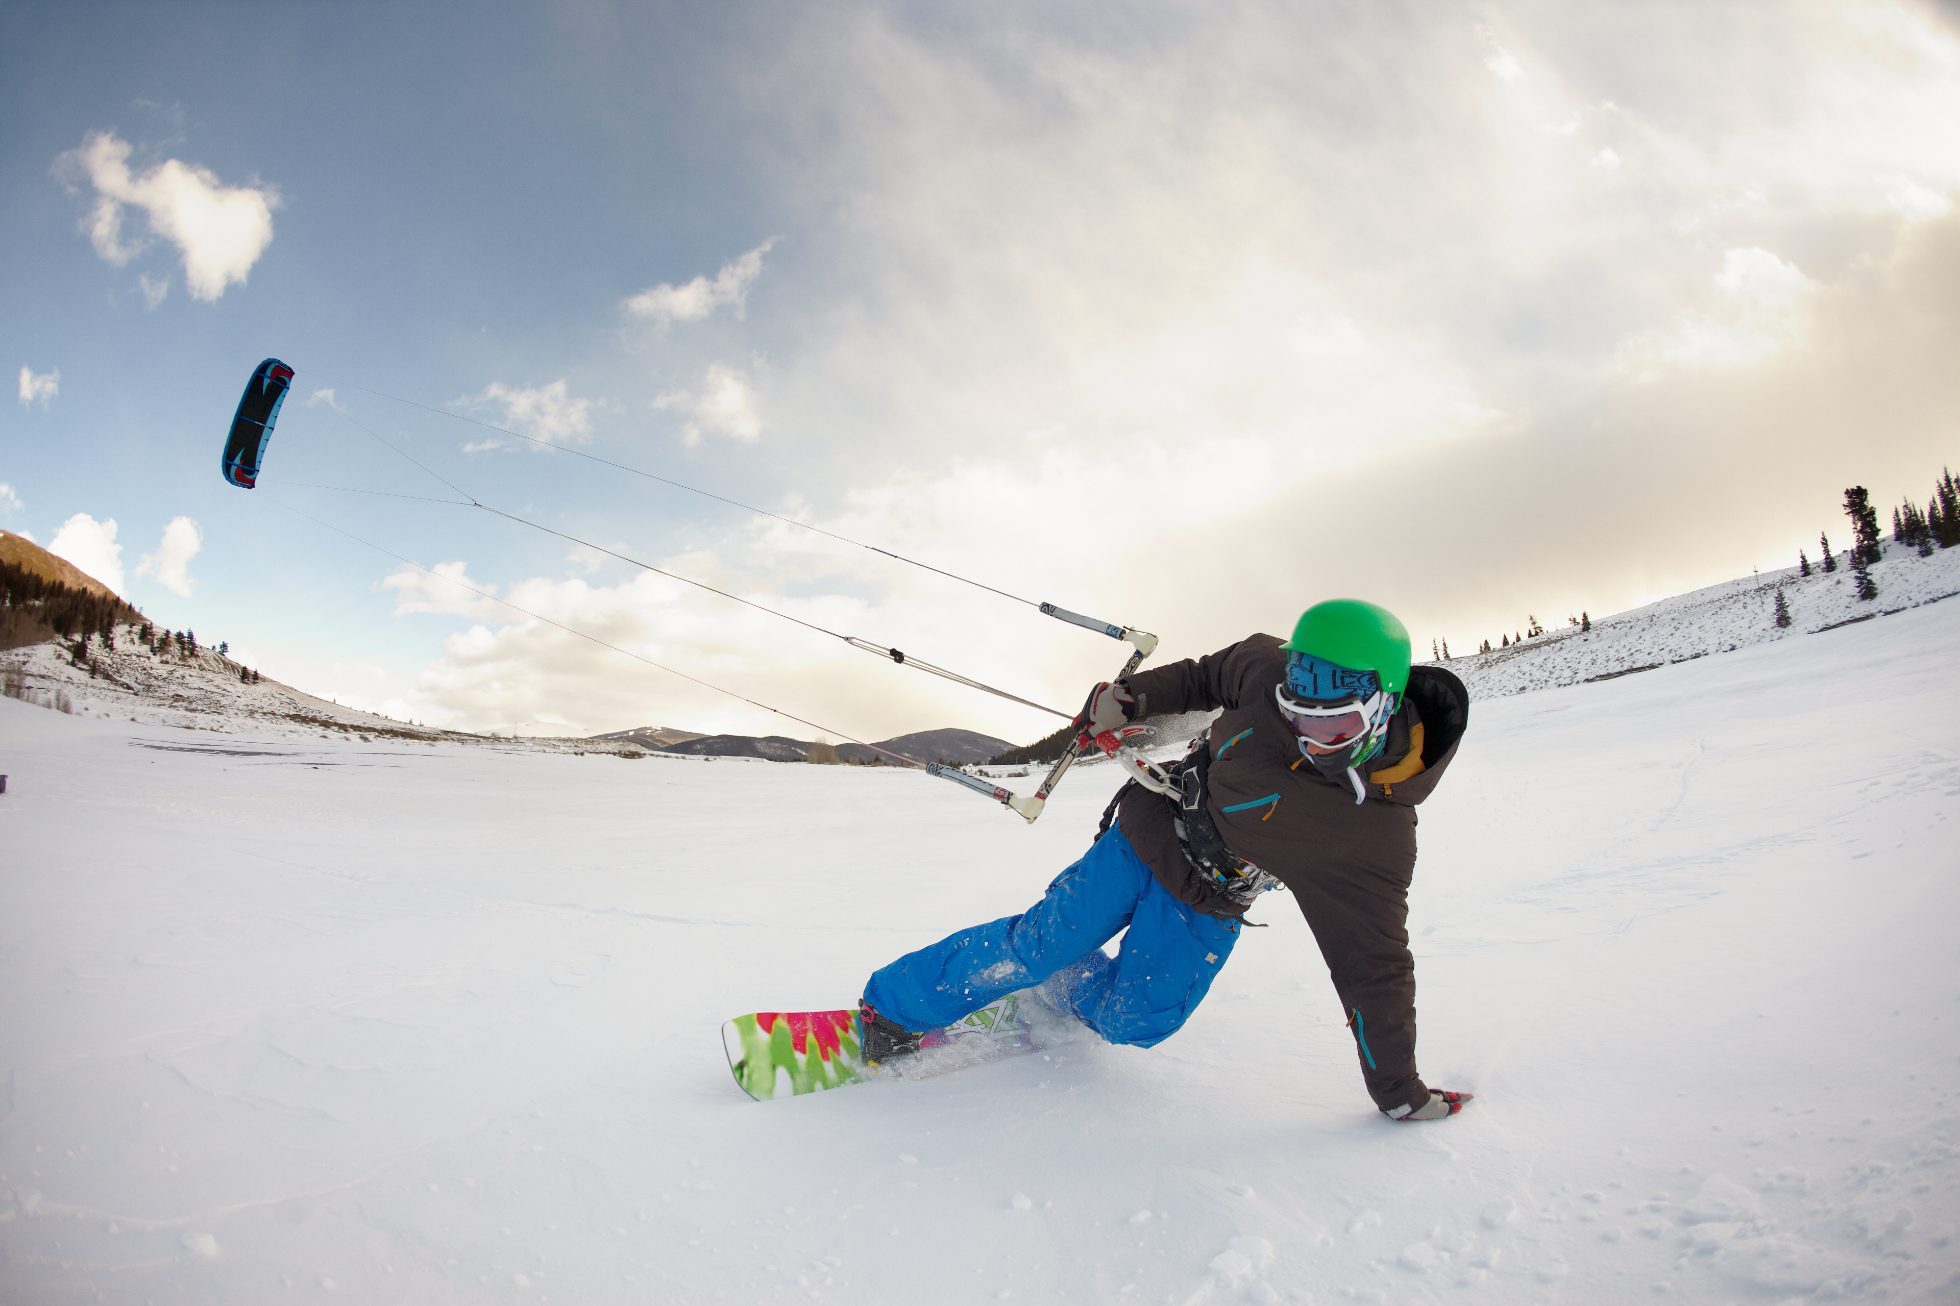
[{"x": 1161, "y": 972}]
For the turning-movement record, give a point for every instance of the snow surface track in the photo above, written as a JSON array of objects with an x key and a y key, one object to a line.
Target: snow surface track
[{"x": 291, "y": 1021}]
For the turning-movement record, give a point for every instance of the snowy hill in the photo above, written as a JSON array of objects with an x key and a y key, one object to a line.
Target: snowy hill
[
  {"x": 398, "y": 1023},
  {"x": 201, "y": 689},
  {"x": 652, "y": 737},
  {"x": 957, "y": 746},
  {"x": 960, "y": 747},
  {"x": 1719, "y": 619},
  {"x": 195, "y": 689},
  {"x": 24, "y": 553}
]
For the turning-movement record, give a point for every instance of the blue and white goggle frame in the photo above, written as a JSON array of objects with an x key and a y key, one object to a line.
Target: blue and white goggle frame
[{"x": 1332, "y": 709}]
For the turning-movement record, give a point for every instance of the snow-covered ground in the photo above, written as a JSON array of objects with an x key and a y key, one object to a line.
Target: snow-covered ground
[{"x": 291, "y": 1018}]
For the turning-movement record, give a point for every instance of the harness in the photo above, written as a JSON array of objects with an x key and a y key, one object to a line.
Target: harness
[{"x": 1197, "y": 834}]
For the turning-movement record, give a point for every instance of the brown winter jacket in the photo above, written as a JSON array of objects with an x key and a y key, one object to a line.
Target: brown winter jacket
[{"x": 1347, "y": 865}]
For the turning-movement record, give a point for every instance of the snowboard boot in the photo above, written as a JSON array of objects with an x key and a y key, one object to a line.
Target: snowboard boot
[{"x": 881, "y": 1040}]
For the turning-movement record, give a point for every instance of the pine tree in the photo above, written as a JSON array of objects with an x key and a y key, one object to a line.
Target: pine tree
[
  {"x": 1585, "y": 622},
  {"x": 1864, "y": 524},
  {"x": 1857, "y": 504},
  {"x": 1803, "y": 563},
  {"x": 1922, "y": 527},
  {"x": 1830, "y": 560},
  {"x": 1947, "y": 497},
  {"x": 1861, "y": 570},
  {"x": 1782, "y": 610},
  {"x": 1446, "y": 650},
  {"x": 1907, "y": 523},
  {"x": 1506, "y": 639}
]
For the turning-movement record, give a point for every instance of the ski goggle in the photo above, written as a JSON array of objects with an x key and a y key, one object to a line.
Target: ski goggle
[
  {"x": 1331, "y": 727},
  {"x": 1311, "y": 679}
]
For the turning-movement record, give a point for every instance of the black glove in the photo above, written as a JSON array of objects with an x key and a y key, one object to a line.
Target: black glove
[
  {"x": 1108, "y": 708},
  {"x": 1441, "y": 1104}
]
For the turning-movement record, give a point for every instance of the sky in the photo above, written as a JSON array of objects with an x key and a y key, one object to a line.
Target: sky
[{"x": 1183, "y": 316}]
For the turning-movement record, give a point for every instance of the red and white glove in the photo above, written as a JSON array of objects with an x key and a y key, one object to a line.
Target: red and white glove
[
  {"x": 1109, "y": 708},
  {"x": 1441, "y": 1104}
]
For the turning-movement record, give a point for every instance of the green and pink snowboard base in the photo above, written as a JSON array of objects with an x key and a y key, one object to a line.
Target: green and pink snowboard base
[{"x": 788, "y": 1053}]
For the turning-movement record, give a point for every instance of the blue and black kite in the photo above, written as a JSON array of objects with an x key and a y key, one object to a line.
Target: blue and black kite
[{"x": 252, "y": 426}]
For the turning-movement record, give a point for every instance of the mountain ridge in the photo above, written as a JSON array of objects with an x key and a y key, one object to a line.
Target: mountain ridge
[
  {"x": 952, "y": 745},
  {"x": 29, "y": 556}
]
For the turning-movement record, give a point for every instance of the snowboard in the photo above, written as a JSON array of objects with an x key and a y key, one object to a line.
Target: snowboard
[{"x": 789, "y": 1053}]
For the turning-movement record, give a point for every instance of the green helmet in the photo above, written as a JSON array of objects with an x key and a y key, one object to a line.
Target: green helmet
[{"x": 1356, "y": 634}]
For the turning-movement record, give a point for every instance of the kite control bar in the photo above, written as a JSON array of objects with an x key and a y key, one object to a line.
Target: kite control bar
[{"x": 1145, "y": 772}]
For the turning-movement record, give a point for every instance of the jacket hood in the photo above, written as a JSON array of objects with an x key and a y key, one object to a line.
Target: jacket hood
[{"x": 1442, "y": 714}]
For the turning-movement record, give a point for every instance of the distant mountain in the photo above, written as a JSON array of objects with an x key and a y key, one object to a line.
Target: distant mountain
[
  {"x": 774, "y": 748},
  {"x": 651, "y": 737},
  {"x": 19, "y": 551},
  {"x": 956, "y": 746},
  {"x": 47, "y": 598}
]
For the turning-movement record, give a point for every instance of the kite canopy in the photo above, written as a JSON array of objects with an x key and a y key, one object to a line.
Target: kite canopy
[{"x": 251, "y": 427}]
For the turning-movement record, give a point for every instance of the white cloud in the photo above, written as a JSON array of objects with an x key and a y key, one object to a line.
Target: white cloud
[
  {"x": 38, "y": 387},
  {"x": 589, "y": 561},
  {"x": 1758, "y": 278},
  {"x": 1762, "y": 309},
  {"x": 724, "y": 405},
  {"x": 441, "y": 594},
  {"x": 91, "y": 545},
  {"x": 1504, "y": 65},
  {"x": 546, "y": 412},
  {"x": 1607, "y": 160},
  {"x": 1871, "y": 132},
  {"x": 1501, "y": 63},
  {"x": 510, "y": 669},
  {"x": 170, "y": 564},
  {"x": 155, "y": 289},
  {"x": 1917, "y": 203},
  {"x": 9, "y": 501},
  {"x": 665, "y": 304},
  {"x": 220, "y": 231}
]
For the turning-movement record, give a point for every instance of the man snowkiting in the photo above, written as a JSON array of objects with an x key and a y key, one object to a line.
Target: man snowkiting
[{"x": 1307, "y": 781}]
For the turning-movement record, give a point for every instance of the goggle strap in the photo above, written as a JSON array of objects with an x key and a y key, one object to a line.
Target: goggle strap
[{"x": 1315, "y": 678}]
